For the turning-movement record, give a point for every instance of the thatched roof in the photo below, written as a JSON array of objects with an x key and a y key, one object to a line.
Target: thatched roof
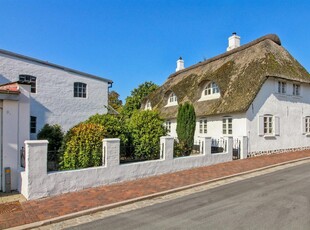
[{"x": 239, "y": 73}]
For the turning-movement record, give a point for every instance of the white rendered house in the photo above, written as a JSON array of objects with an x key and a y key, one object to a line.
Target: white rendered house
[
  {"x": 59, "y": 95},
  {"x": 257, "y": 90}
]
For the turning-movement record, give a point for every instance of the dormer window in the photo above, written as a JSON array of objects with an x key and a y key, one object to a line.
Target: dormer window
[
  {"x": 210, "y": 91},
  {"x": 148, "y": 105},
  {"x": 211, "y": 88},
  {"x": 172, "y": 99}
]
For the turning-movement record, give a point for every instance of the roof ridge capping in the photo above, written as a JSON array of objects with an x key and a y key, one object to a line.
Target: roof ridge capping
[{"x": 273, "y": 37}]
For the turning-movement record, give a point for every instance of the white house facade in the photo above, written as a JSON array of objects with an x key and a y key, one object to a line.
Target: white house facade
[
  {"x": 14, "y": 129},
  {"x": 59, "y": 95},
  {"x": 258, "y": 91}
]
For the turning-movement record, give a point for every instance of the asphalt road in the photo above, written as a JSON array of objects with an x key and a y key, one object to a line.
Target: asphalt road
[{"x": 279, "y": 200}]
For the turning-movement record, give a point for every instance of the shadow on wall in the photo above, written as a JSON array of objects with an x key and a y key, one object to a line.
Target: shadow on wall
[
  {"x": 3, "y": 80},
  {"x": 41, "y": 113}
]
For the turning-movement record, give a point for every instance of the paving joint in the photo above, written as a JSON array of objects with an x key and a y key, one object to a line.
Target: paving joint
[{"x": 158, "y": 194}]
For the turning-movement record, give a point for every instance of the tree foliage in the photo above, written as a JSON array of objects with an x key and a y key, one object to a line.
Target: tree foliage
[
  {"x": 146, "y": 128},
  {"x": 114, "y": 100},
  {"x": 53, "y": 134},
  {"x": 133, "y": 102},
  {"x": 83, "y": 146},
  {"x": 115, "y": 125},
  {"x": 186, "y": 124}
]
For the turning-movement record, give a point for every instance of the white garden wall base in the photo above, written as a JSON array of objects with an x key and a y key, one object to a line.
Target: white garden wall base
[{"x": 37, "y": 183}]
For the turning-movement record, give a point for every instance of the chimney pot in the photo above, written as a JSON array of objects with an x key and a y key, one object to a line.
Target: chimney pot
[
  {"x": 233, "y": 41},
  {"x": 180, "y": 64}
]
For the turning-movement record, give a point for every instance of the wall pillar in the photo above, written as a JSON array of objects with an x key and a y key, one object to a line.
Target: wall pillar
[
  {"x": 110, "y": 152},
  {"x": 229, "y": 149},
  {"x": 166, "y": 147},
  {"x": 206, "y": 146},
  {"x": 244, "y": 147},
  {"x": 35, "y": 169}
]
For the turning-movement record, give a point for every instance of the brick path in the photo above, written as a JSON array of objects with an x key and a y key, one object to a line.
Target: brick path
[{"x": 43, "y": 209}]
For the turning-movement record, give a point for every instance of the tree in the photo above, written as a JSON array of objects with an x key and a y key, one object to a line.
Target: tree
[
  {"x": 114, "y": 125},
  {"x": 186, "y": 124},
  {"x": 114, "y": 100},
  {"x": 83, "y": 146},
  {"x": 133, "y": 102},
  {"x": 146, "y": 128},
  {"x": 53, "y": 134}
]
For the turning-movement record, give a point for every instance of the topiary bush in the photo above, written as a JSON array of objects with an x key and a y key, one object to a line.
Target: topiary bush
[
  {"x": 186, "y": 125},
  {"x": 83, "y": 146},
  {"x": 146, "y": 128}
]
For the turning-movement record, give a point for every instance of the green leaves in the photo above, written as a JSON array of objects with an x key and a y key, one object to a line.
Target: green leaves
[
  {"x": 146, "y": 129},
  {"x": 83, "y": 146}
]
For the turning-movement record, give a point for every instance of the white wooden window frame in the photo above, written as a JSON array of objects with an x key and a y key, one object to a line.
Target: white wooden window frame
[
  {"x": 148, "y": 105},
  {"x": 168, "y": 126},
  {"x": 306, "y": 125},
  {"x": 227, "y": 128},
  {"x": 172, "y": 99},
  {"x": 268, "y": 125},
  {"x": 203, "y": 126},
  {"x": 281, "y": 87},
  {"x": 296, "y": 89}
]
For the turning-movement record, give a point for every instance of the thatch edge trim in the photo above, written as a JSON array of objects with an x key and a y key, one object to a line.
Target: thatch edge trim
[{"x": 272, "y": 37}]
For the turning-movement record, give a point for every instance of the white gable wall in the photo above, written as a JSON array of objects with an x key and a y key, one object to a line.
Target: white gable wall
[
  {"x": 53, "y": 102},
  {"x": 290, "y": 110}
]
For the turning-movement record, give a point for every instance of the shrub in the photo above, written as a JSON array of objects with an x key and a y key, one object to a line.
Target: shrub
[
  {"x": 146, "y": 128},
  {"x": 83, "y": 146},
  {"x": 186, "y": 124},
  {"x": 53, "y": 134}
]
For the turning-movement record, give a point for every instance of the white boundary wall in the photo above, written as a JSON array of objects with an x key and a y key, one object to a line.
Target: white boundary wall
[{"x": 36, "y": 182}]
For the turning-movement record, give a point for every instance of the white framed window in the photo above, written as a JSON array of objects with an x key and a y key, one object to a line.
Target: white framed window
[
  {"x": 211, "y": 88},
  {"x": 281, "y": 87},
  {"x": 33, "y": 124},
  {"x": 203, "y": 126},
  {"x": 80, "y": 89},
  {"x": 306, "y": 125},
  {"x": 29, "y": 79},
  {"x": 168, "y": 126},
  {"x": 172, "y": 99},
  {"x": 269, "y": 125},
  {"x": 227, "y": 126},
  {"x": 296, "y": 89},
  {"x": 148, "y": 105}
]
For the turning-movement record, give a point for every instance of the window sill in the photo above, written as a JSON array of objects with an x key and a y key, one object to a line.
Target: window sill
[{"x": 267, "y": 136}]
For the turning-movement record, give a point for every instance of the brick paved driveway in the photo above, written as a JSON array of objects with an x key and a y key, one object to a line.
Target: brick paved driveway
[{"x": 43, "y": 209}]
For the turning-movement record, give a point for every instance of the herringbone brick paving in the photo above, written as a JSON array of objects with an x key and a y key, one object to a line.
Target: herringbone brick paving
[{"x": 43, "y": 209}]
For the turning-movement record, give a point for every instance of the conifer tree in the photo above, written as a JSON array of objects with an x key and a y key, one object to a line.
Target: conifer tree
[{"x": 186, "y": 125}]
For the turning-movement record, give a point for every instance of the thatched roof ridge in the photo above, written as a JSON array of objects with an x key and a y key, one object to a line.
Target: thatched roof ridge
[
  {"x": 239, "y": 73},
  {"x": 272, "y": 37}
]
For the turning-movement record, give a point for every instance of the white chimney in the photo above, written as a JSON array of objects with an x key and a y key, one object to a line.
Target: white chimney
[
  {"x": 180, "y": 64},
  {"x": 233, "y": 41}
]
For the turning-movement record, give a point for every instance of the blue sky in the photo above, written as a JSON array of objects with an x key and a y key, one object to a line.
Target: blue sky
[{"x": 131, "y": 42}]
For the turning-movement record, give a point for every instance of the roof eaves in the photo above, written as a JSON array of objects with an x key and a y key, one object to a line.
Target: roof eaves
[{"x": 9, "y": 53}]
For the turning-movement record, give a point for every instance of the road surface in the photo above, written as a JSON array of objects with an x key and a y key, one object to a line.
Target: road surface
[{"x": 279, "y": 200}]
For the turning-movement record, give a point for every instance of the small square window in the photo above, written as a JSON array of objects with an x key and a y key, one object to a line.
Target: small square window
[{"x": 80, "y": 89}]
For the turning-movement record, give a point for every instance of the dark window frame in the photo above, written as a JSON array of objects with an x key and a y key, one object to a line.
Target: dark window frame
[
  {"x": 29, "y": 79},
  {"x": 33, "y": 124},
  {"x": 80, "y": 89}
]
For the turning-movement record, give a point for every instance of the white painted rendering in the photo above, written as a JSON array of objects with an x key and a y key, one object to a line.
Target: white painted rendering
[
  {"x": 37, "y": 183},
  {"x": 233, "y": 42},
  {"x": 53, "y": 103},
  {"x": 15, "y": 130},
  {"x": 288, "y": 108},
  {"x": 180, "y": 65}
]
